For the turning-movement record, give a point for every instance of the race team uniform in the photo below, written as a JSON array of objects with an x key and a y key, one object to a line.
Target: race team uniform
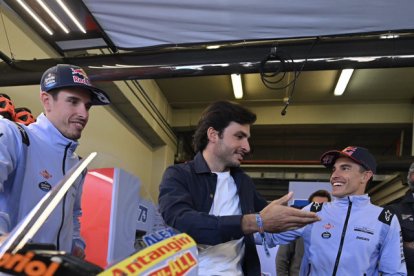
[
  {"x": 29, "y": 167},
  {"x": 353, "y": 237}
]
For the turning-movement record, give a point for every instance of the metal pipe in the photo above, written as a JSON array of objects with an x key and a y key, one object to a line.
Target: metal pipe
[
  {"x": 5, "y": 58},
  {"x": 183, "y": 63}
]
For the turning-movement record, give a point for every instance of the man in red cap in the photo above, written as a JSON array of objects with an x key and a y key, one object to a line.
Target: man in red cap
[
  {"x": 353, "y": 237},
  {"x": 34, "y": 158}
]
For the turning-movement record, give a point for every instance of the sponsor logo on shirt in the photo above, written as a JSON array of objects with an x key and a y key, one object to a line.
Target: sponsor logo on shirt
[
  {"x": 364, "y": 229},
  {"x": 45, "y": 174},
  {"x": 328, "y": 226},
  {"x": 45, "y": 186},
  {"x": 326, "y": 235},
  {"x": 316, "y": 207},
  {"x": 153, "y": 238},
  {"x": 388, "y": 215}
]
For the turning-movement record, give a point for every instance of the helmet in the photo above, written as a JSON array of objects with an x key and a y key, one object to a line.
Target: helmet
[
  {"x": 6, "y": 107},
  {"x": 24, "y": 116}
]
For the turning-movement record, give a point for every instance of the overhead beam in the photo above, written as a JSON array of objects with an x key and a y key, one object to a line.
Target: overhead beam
[{"x": 187, "y": 61}]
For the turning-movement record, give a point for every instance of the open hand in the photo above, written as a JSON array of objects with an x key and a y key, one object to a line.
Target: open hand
[{"x": 277, "y": 217}]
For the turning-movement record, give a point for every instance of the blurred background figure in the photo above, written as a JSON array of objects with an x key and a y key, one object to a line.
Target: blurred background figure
[
  {"x": 24, "y": 116},
  {"x": 289, "y": 256},
  {"x": 6, "y": 107},
  {"x": 404, "y": 210}
]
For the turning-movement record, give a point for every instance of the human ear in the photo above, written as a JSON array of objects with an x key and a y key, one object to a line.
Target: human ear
[
  {"x": 367, "y": 175},
  {"x": 212, "y": 134},
  {"x": 45, "y": 99}
]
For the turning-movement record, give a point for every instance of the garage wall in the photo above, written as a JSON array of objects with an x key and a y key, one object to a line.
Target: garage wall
[{"x": 117, "y": 144}]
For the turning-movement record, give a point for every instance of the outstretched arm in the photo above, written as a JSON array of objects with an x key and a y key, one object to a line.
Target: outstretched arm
[{"x": 277, "y": 217}]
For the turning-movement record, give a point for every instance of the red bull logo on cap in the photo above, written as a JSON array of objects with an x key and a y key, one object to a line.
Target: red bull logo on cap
[
  {"x": 349, "y": 150},
  {"x": 79, "y": 76}
]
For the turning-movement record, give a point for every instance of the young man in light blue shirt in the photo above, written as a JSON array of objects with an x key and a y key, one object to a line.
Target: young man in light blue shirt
[
  {"x": 34, "y": 158},
  {"x": 353, "y": 237}
]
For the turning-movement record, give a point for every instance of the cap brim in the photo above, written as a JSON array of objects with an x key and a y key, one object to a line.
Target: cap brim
[
  {"x": 99, "y": 97},
  {"x": 328, "y": 158}
]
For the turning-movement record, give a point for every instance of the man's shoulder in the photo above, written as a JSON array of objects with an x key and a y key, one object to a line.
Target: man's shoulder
[
  {"x": 5, "y": 123},
  {"x": 401, "y": 206},
  {"x": 394, "y": 206},
  {"x": 387, "y": 214},
  {"x": 180, "y": 168},
  {"x": 183, "y": 165},
  {"x": 382, "y": 214},
  {"x": 12, "y": 130},
  {"x": 402, "y": 203},
  {"x": 316, "y": 207},
  {"x": 407, "y": 199}
]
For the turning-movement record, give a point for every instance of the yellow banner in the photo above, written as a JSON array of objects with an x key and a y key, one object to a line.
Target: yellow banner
[{"x": 153, "y": 255}]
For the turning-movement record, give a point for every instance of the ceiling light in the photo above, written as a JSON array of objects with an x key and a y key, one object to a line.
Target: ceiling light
[
  {"x": 343, "y": 81},
  {"x": 389, "y": 36},
  {"x": 212, "y": 47},
  {"x": 35, "y": 17},
  {"x": 237, "y": 86},
  {"x": 70, "y": 14},
  {"x": 51, "y": 14}
]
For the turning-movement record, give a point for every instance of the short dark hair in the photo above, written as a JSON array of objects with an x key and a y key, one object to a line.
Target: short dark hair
[
  {"x": 219, "y": 115},
  {"x": 54, "y": 92},
  {"x": 320, "y": 193}
]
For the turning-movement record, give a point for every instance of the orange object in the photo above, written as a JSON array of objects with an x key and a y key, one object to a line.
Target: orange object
[
  {"x": 24, "y": 116},
  {"x": 96, "y": 210},
  {"x": 6, "y": 107}
]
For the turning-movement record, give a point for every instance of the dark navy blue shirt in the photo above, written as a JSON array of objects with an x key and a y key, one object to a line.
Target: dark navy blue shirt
[{"x": 185, "y": 199}]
